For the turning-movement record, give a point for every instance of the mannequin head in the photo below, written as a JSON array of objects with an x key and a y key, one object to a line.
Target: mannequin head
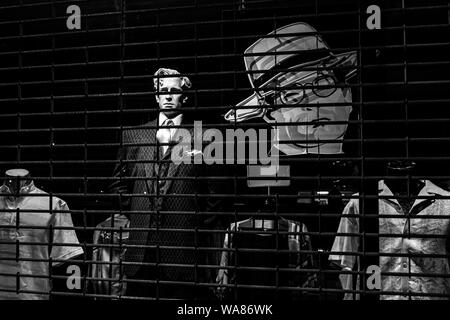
[{"x": 169, "y": 86}]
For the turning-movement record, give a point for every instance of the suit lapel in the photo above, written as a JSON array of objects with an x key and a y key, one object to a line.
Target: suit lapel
[
  {"x": 173, "y": 167},
  {"x": 150, "y": 148}
]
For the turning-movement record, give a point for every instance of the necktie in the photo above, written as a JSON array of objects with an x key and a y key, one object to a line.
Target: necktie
[{"x": 164, "y": 135}]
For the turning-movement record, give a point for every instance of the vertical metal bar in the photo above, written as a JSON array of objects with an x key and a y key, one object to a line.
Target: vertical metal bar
[
  {"x": 52, "y": 105},
  {"x": 154, "y": 205},
  {"x": 405, "y": 87},
  {"x": 196, "y": 250},
  {"x": 19, "y": 88},
  {"x": 232, "y": 233},
  {"x": 319, "y": 181},
  {"x": 19, "y": 158},
  {"x": 121, "y": 108},
  {"x": 52, "y": 134},
  {"x": 362, "y": 213},
  {"x": 275, "y": 217},
  {"x": 121, "y": 146}
]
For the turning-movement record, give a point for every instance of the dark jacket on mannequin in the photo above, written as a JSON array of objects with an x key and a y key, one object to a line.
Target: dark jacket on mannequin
[{"x": 177, "y": 200}]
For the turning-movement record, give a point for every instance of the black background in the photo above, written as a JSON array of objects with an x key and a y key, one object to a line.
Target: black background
[{"x": 65, "y": 93}]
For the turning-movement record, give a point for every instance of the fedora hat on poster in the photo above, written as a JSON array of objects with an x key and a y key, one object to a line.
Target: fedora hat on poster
[{"x": 298, "y": 82}]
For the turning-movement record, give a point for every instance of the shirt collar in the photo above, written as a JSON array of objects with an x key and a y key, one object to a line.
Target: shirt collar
[
  {"x": 432, "y": 189},
  {"x": 176, "y": 121},
  {"x": 28, "y": 188},
  {"x": 14, "y": 202},
  {"x": 429, "y": 190}
]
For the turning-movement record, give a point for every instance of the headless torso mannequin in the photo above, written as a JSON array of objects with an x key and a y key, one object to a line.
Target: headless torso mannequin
[
  {"x": 399, "y": 181},
  {"x": 266, "y": 222},
  {"x": 32, "y": 221}
]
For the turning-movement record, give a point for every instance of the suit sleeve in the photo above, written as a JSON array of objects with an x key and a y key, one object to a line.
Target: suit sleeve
[
  {"x": 223, "y": 274},
  {"x": 301, "y": 247},
  {"x": 218, "y": 187},
  {"x": 348, "y": 241},
  {"x": 120, "y": 185}
]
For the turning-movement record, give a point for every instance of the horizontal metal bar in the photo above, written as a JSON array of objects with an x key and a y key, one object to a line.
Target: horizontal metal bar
[
  {"x": 292, "y": 160},
  {"x": 237, "y": 215},
  {"x": 42, "y": 3},
  {"x": 197, "y": 57},
  {"x": 206, "y": 39},
  {"x": 255, "y": 231},
  {"x": 348, "y": 177},
  {"x": 231, "y": 143},
  {"x": 278, "y": 270},
  {"x": 198, "y": 74},
  {"x": 199, "y": 6},
  {"x": 366, "y": 103},
  {"x": 202, "y": 22},
  {"x": 218, "y": 90}
]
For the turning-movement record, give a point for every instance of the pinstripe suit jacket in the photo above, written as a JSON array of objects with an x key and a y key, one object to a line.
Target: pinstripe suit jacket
[{"x": 175, "y": 211}]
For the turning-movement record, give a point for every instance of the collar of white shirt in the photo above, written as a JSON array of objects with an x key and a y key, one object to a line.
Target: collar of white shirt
[
  {"x": 429, "y": 190},
  {"x": 176, "y": 121}
]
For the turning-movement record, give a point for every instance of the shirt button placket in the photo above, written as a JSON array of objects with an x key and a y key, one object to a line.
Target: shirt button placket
[{"x": 405, "y": 278}]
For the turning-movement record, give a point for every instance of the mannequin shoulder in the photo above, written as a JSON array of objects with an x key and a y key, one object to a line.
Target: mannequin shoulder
[{"x": 139, "y": 133}]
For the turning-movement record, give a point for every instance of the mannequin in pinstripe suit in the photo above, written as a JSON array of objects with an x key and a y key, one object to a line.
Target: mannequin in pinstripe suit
[{"x": 159, "y": 195}]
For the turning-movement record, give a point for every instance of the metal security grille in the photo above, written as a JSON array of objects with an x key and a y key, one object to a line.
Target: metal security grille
[{"x": 355, "y": 95}]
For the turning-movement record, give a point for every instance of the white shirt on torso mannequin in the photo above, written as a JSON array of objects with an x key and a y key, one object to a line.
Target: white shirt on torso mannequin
[{"x": 165, "y": 135}]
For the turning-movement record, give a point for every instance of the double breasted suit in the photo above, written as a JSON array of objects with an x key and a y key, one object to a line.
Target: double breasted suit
[{"x": 168, "y": 210}]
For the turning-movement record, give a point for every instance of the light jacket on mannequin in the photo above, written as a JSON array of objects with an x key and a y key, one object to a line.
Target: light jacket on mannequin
[
  {"x": 36, "y": 233},
  {"x": 402, "y": 247}
]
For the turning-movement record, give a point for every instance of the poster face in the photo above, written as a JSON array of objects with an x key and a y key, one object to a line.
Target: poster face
[
  {"x": 310, "y": 129},
  {"x": 293, "y": 73}
]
